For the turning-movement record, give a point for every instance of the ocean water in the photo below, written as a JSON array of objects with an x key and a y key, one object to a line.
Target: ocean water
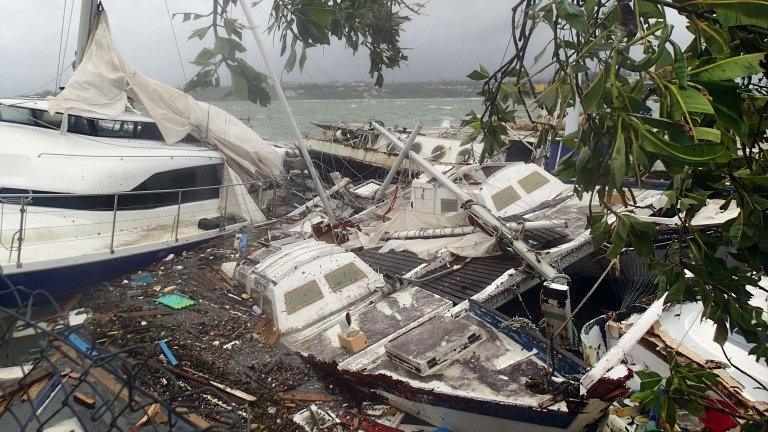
[{"x": 272, "y": 123}]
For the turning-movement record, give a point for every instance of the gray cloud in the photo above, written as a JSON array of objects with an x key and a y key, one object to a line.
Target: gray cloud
[{"x": 447, "y": 42}]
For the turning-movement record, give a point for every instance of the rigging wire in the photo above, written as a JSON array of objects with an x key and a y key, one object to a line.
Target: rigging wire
[
  {"x": 175, "y": 40},
  {"x": 66, "y": 44},
  {"x": 61, "y": 40}
]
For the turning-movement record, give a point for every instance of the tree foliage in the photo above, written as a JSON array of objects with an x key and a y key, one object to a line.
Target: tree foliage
[
  {"x": 619, "y": 61},
  {"x": 298, "y": 25}
]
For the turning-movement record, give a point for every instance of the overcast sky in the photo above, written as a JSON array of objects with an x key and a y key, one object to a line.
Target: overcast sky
[{"x": 447, "y": 42}]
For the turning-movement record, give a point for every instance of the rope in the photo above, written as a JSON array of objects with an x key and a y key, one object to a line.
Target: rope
[
  {"x": 61, "y": 40},
  {"x": 66, "y": 45},
  {"x": 175, "y": 40}
]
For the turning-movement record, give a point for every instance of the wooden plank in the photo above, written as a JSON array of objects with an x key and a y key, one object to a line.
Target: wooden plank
[
  {"x": 84, "y": 400},
  {"x": 148, "y": 313},
  {"x": 305, "y": 397}
]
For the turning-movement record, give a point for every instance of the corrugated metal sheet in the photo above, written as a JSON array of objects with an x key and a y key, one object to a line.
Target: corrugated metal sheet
[{"x": 455, "y": 285}]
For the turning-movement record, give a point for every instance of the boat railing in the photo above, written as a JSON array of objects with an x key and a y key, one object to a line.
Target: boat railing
[{"x": 107, "y": 224}]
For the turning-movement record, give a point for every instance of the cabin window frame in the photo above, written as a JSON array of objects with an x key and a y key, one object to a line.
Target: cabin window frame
[
  {"x": 502, "y": 198},
  {"x": 532, "y": 182},
  {"x": 312, "y": 292},
  {"x": 336, "y": 278},
  {"x": 34, "y": 117}
]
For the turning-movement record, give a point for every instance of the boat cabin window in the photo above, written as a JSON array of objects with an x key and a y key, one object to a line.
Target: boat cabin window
[
  {"x": 115, "y": 128},
  {"x": 30, "y": 117},
  {"x": 302, "y": 296},
  {"x": 464, "y": 156},
  {"x": 448, "y": 205},
  {"x": 438, "y": 152},
  {"x": 344, "y": 276},
  {"x": 118, "y": 129},
  {"x": 532, "y": 182},
  {"x": 505, "y": 198}
]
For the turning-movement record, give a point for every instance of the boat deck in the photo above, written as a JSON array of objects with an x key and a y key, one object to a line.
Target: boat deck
[
  {"x": 65, "y": 251},
  {"x": 377, "y": 321}
]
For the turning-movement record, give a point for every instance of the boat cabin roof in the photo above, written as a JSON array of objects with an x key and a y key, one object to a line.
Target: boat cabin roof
[
  {"x": 42, "y": 104},
  {"x": 309, "y": 280}
]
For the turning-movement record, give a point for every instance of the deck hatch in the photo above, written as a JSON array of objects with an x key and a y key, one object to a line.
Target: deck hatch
[
  {"x": 533, "y": 182},
  {"x": 448, "y": 205},
  {"x": 505, "y": 198},
  {"x": 344, "y": 276},
  {"x": 435, "y": 343},
  {"x": 302, "y": 296}
]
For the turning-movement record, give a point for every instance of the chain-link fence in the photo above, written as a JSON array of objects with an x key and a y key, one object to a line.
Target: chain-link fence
[{"x": 55, "y": 377}]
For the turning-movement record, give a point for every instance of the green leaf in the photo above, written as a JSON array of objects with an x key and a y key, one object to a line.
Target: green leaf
[
  {"x": 479, "y": 74},
  {"x": 679, "y": 66},
  {"x": 619, "y": 158},
  {"x": 291, "y": 61},
  {"x": 594, "y": 92},
  {"x": 737, "y": 12},
  {"x": 729, "y": 69},
  {"x": 688, "y": 153},
  {"x": 379, "y": 80},
  {"x": 199, "y": 33},
  {"x": 707, "y": 134},
  {"x": 693, "y": 101},
  {"x": 549, "y": 97},
  {"x": 649, "y": 10},
  {"x": 717, "y": 40},
  {"x": 204, "y": 57},
  {"x": 321, "y": 15},
  {"x": 302, "y": 58},
  {"x": 571, "y": 14},
  {"x": 652, "y": 58}
]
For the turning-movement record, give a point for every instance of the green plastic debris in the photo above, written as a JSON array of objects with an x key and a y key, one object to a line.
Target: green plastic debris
[{"x": 175, "y": 301}]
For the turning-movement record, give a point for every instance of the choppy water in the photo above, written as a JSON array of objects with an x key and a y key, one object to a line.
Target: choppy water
[{"x": 271, "y": 122}]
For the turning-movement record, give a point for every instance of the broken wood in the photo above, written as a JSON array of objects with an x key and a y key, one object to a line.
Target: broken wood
[
  {"x": 151, "y": 412},
  {"x": 10, "y": 392},
  {"x": 305, "y": 397},
  {"x": 147, "y": 313},
  {"x": 84, "y": 400},
  {"x": 207, "y": 381}
]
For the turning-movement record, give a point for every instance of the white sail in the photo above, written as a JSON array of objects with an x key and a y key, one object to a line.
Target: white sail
[{"x": 104, "y": 80}]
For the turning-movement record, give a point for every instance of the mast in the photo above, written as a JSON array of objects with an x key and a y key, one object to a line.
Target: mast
[
  {"x": 544, "y": 269},
  {"x": 88, "y": 10},
  {"x": 281, "y": 95}
]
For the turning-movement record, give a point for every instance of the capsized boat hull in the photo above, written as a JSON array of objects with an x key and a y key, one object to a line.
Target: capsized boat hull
[
  {"x": 492, "y": 416},
  {"x": 355, "y": 169}
]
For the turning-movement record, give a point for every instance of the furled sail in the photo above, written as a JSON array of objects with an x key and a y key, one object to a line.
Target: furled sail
[{"x": 103, "y": 82}]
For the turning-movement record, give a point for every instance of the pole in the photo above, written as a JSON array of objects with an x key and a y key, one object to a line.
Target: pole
[
  {"x": 464, "y": 230},
  {"x": 311, "y": 203},
  {"x": 548, "y": 272},
  {"x": 114, "y": 222},
  {"x": 88, "y": 9},
  {"x": 178, "y": 219},
  {"x": 22, "y": 215},
  {"x": 398, "y": 162},
  {"x": 279, "y": 90}
]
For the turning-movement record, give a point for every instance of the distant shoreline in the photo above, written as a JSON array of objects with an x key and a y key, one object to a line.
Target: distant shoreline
[{"x": 365, "y": 99}]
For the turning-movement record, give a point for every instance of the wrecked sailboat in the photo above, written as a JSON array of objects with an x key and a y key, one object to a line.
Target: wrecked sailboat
[
  {"x": 359, "y": 152},
  {"x": 465, "y": 367}
]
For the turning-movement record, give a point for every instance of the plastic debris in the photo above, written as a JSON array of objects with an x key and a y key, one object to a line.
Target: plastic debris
[
  {"x": 163, "y": 344},
  {"x": 142, "y": 279},
  {"x": 169, "y": 257},
  {"x": 243, "y": 243},
  {"x": 229, "y": 268},
  {"x": 82, "y": 345},
  {"x": 175, "y": 301}
]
